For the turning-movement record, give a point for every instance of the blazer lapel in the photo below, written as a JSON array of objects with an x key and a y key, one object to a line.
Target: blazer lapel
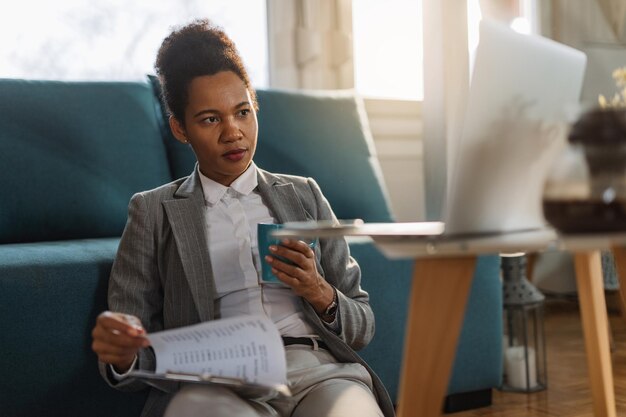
[
  {"x": 281, "y": 198},
  {"x": 186, "y": 218}
]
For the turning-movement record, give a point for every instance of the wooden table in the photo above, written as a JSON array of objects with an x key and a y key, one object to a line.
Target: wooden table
[{"x": 442, "y": 277}]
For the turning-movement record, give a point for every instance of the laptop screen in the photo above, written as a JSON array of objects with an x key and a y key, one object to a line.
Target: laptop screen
[{"x": 514, "y": 124}]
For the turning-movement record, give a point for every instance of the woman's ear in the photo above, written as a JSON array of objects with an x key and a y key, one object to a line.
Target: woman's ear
[{"x": 178, "y": 130}]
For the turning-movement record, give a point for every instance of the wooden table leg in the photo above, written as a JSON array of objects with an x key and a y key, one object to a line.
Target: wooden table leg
[
  {"x": 595, "y": 327},
  {"x": 439, "y": 294}
]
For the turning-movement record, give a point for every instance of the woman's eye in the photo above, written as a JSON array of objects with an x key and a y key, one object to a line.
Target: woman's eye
[
  {"x": 211, "y": 119},
  {"x": 244, "y": 112}
]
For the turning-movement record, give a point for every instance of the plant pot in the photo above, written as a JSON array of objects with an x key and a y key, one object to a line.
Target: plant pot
[{"x": 587, "y": 192}]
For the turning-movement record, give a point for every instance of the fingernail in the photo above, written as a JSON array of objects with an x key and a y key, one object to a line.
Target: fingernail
[
  {"x": 269, "y": 258},
  {"x": 285, "y": 241},
  {"x": 274, "y": 271},
  {"x": 273, "y": 248}
]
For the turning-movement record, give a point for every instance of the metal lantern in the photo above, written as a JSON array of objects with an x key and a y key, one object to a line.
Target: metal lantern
[{"x": 524, "y": 341}]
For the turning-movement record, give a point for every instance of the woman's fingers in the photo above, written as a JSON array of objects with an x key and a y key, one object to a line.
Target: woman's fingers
[
  {"x": 298, "y": 246},
  {"x": 120, "y": 323},
  {"x": 117, "y": 338},
  {"x": 297, "y": 252},
  {"x": 293, "y": 262}
]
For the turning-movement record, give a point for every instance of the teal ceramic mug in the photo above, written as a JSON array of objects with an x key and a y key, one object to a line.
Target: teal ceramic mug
[{"x": 265, "y": 240}]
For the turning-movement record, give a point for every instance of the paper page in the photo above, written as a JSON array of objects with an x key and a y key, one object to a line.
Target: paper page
[{"x": 246, "y": 347}]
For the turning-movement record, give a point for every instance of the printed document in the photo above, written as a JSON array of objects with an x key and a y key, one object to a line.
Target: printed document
[{"x": 249, "y": 348}]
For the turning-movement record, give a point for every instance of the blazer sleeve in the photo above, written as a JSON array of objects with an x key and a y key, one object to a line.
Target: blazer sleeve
[
  {"x": 134, "y": 284},
  {"x": 356, "y": 318}
]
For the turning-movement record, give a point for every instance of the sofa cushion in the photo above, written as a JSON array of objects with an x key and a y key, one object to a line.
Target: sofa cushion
[
  {"x": 50, "y": 296},
  {"x": 72, "y": 155},
  {"x": 327, "y": 138}
]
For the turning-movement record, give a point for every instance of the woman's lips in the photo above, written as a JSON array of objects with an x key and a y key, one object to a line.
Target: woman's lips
[{"x": 235, "y": 155}]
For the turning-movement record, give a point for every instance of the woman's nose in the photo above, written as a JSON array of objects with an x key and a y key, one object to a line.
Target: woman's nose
[{"x": 231, "y": 131}]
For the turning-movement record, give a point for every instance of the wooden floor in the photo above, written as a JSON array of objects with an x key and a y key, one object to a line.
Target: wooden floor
[{"x": 568, "y": 392}]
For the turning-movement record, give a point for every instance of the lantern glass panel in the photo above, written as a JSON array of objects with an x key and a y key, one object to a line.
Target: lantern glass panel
[{"x": 524, "y": 344}]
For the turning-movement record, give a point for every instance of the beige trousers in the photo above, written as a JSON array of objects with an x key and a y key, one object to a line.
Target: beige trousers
[{"x": 320, "y": 386}]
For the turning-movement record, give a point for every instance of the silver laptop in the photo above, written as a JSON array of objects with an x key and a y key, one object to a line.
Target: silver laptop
[{"x": 520, "y": 90}]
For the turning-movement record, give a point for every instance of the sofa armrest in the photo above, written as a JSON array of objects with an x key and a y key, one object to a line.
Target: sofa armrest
[{"x": 51, "y": 294}]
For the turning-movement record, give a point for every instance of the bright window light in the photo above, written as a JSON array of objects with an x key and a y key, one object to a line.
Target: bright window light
[
  {"x": 473, "y": 19},
  {"x": 521, "y": 25},
  {"x": 117, "y": 39},
  {"x": 388, "y": 50}
]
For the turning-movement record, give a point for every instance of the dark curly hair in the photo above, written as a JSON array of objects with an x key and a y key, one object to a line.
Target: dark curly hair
[{"x": 199, "y": 48}]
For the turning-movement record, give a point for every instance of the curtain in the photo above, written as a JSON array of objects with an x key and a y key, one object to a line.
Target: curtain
[
  {"x": 597, "y": 28},
  {"x": 310, "y": 44},
  {"x": 446, "y": 81},
  {"x": 577, "y": 22},
  {"x": 614, "y": 12}
]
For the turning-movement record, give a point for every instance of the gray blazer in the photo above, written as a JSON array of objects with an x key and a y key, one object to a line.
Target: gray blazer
[{"x": 162, "y": 272}]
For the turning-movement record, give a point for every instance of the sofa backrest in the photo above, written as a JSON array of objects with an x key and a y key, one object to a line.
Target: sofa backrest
[
  {"x": 324, "y": 135},
  {"x": 72, "y": 154}
]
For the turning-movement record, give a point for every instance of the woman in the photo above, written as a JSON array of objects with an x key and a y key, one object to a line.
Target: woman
[{"x": 188, "y": 254}]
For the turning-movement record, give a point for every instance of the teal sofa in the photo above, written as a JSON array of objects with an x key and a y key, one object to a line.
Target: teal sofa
[{"x": 73, "y": 153}]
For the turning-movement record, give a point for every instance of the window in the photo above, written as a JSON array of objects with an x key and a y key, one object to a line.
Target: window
[
  {"x": 388, "y": 56},
  {"x": 388, "y": 43},
  {"x": 116, "y": 39}
]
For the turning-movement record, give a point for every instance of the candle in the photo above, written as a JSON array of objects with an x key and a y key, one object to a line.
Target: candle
[
  {"x": 515, "y": 367},
  {"x": 505, "y": 344}
]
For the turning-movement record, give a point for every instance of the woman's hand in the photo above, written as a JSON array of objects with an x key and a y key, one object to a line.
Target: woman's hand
[
  {"x": 117, "y": 338},
  {"x": 302, "y": 277}
]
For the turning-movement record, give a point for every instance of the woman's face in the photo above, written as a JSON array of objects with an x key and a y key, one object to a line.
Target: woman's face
[{"x": 220, "y": 125}]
